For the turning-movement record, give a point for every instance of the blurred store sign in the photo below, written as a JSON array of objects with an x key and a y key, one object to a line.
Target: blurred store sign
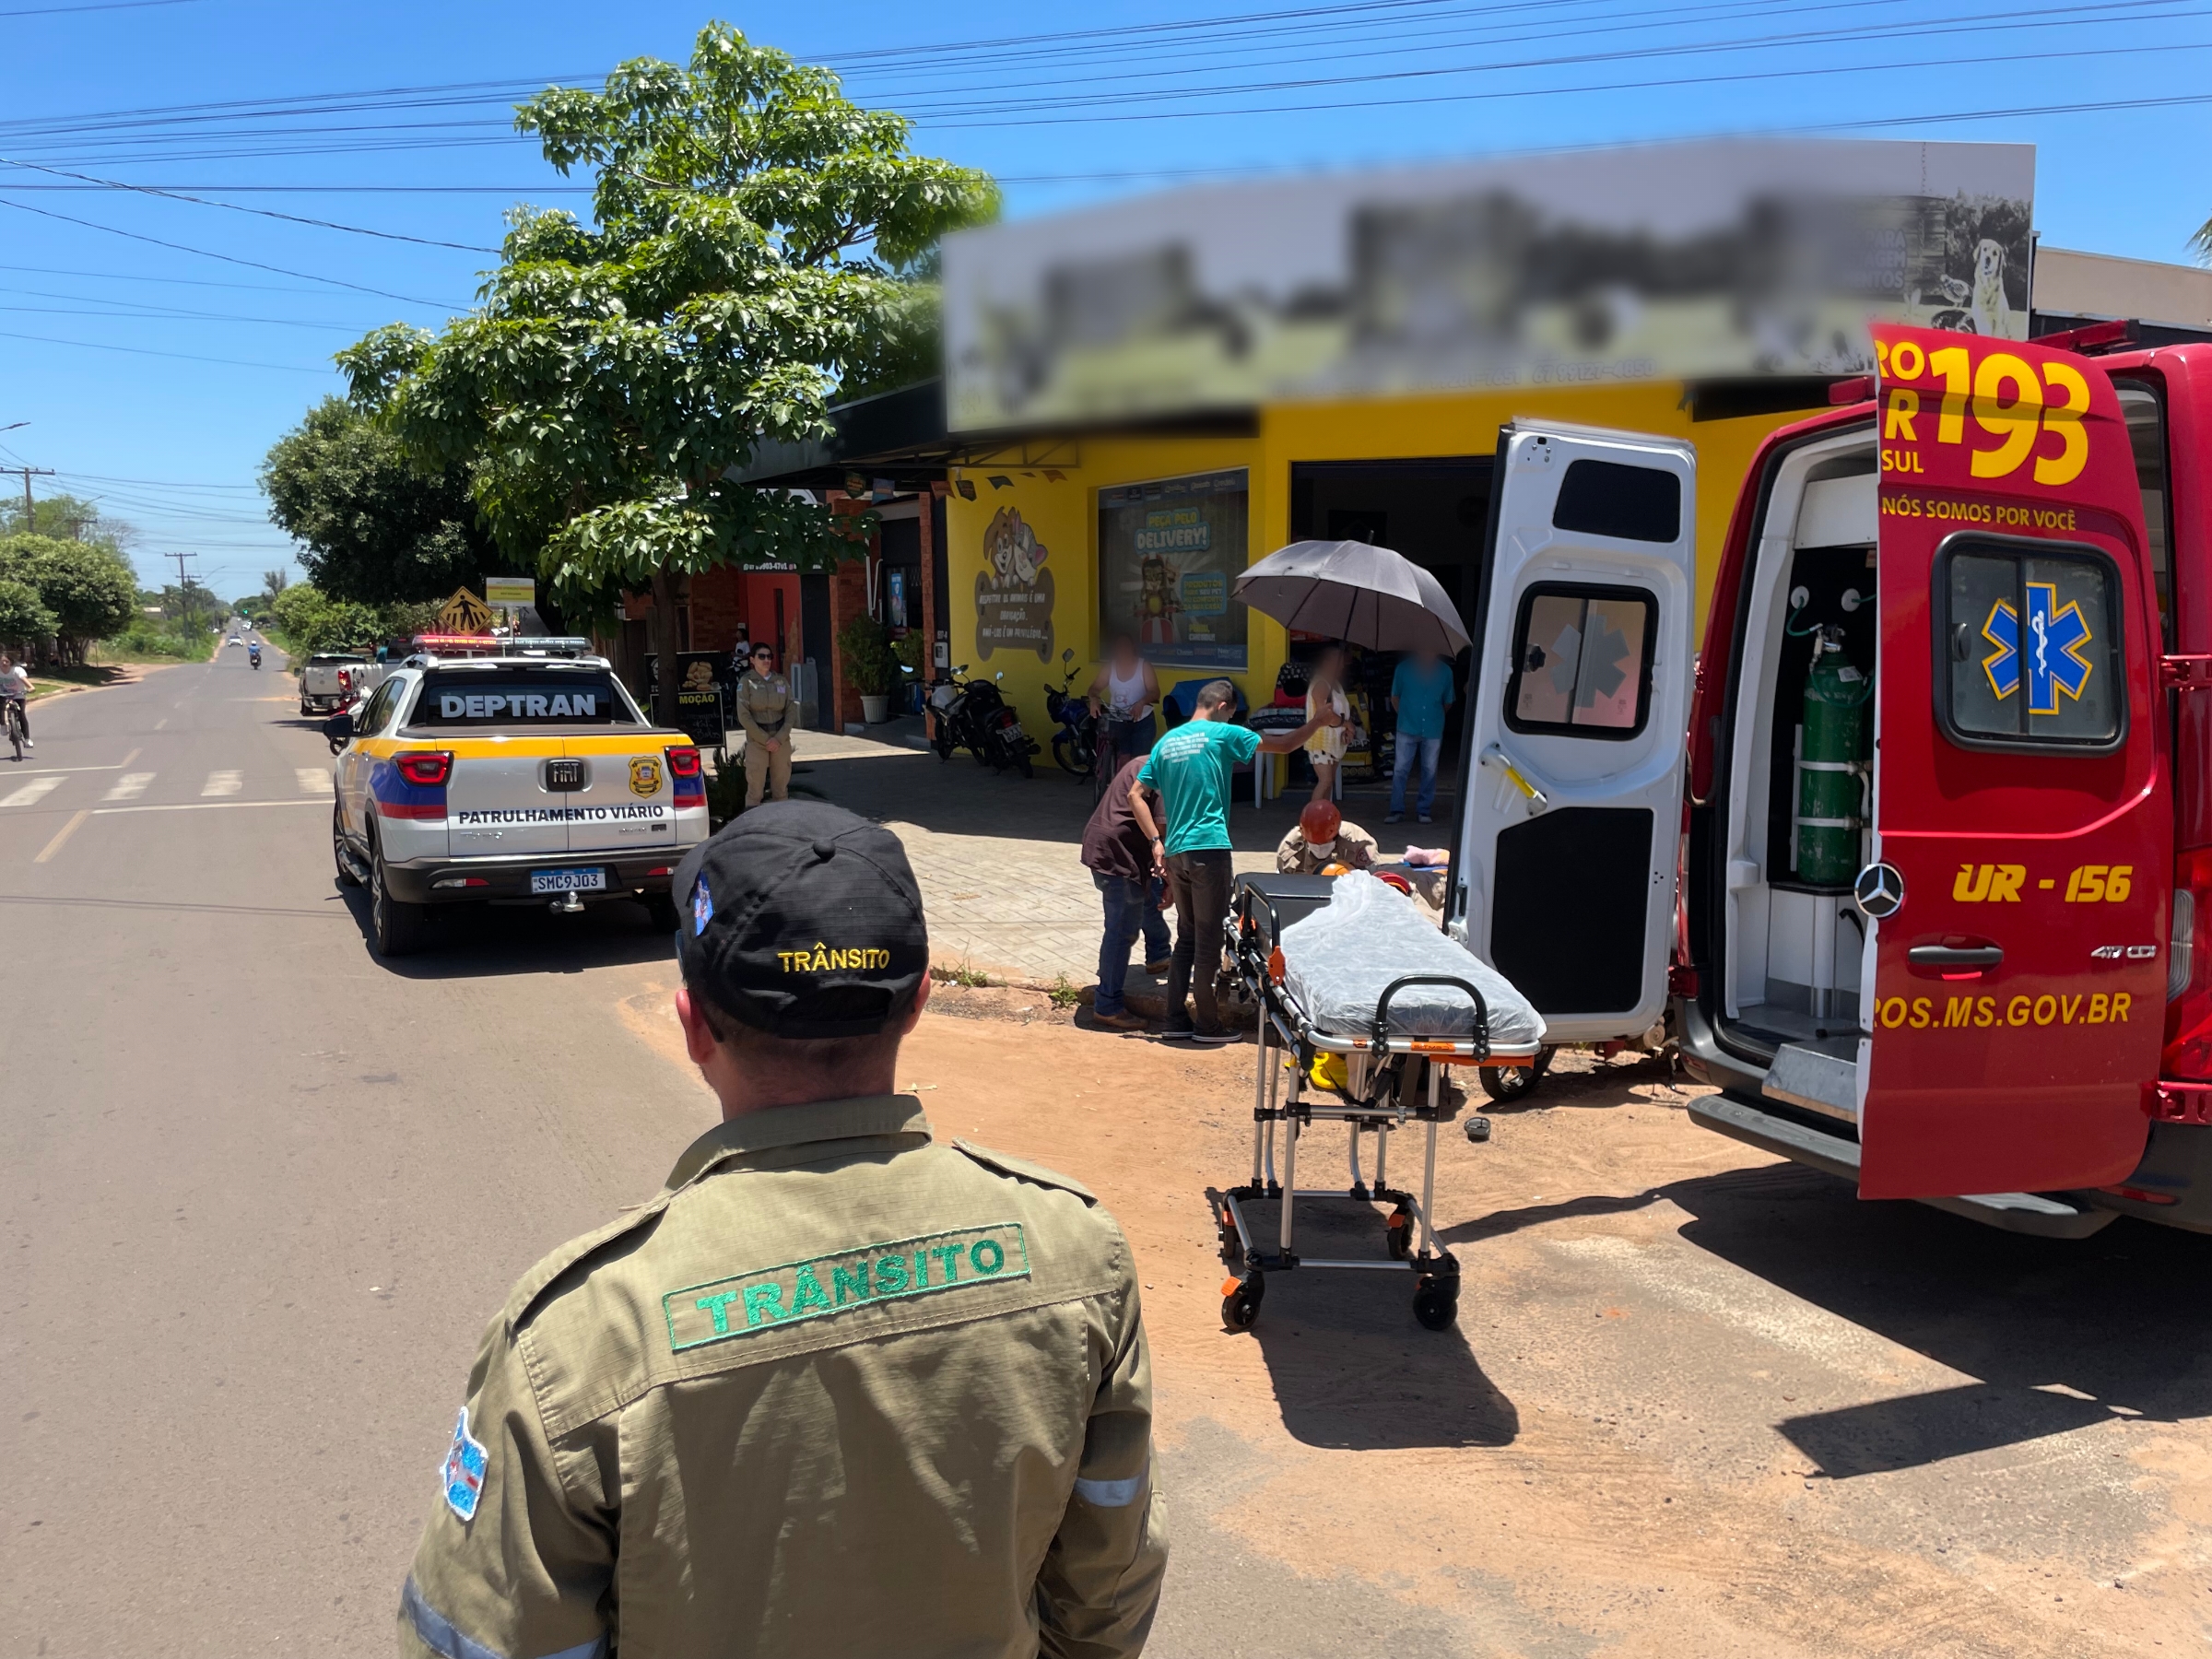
[{"x": 1703, "y": 259}]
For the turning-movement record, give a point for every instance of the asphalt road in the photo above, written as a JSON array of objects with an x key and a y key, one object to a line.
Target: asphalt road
[{"x": 258, "y": 1192}]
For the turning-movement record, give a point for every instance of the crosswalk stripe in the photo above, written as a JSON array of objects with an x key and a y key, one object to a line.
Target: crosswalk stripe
[
  {"x": 313, "y": 780},
  {"x": 129, "y": 787},
  {"x": 38, "y": 789},
  {"x": 223, "y": 784}
]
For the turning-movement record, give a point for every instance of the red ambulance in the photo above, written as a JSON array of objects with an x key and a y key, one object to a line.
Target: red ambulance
[{"x": 1922, "y": 883}]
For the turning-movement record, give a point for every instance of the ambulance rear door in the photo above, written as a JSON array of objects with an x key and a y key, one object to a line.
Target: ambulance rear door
[
  {"x": 1565, "y": 865},
  {"x": 2022, "y": 816}
]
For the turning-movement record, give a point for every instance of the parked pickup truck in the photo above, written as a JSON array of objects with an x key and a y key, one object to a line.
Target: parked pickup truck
[
  {"x": 330, "y": 680},
  {"x": 508, "y": 780}
]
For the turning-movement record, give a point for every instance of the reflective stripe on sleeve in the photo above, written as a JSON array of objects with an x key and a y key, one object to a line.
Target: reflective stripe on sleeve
[
  {"x": 1110, "y": 1494},
  {"x": 439, "y": 1635}
]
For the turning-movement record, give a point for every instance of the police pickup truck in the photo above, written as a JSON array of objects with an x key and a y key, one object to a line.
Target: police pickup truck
[{"x": 513, "y": 780}]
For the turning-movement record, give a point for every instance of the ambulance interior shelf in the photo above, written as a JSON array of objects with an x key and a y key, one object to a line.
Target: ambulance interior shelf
[{"x": 1794, "y": 957}]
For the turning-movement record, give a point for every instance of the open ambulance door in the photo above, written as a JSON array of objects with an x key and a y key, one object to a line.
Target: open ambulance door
[
  {"x": 1572, "y": 800},
  {"x": 2022, "y": 818}
]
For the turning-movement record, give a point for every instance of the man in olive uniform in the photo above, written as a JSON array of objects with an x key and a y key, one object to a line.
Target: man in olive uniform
[
  {"x": 839, "y": 1389},
  {"x": 764, "y": 710}
]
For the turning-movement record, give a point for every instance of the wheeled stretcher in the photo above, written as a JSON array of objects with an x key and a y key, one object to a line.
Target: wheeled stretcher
[{"x": 1386, "y": 1072}]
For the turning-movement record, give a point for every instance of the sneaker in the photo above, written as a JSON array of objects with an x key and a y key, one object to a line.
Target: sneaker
[
  {"x": 1215, "y": 1039},
  {"x": 1177, "y": 1034},
  {"x": 1123, "y": 1021},
  {"x": 1425, "y": 819},
  {"x": 1158, "y": 970},
  {"x": 1394, "y": 817}
]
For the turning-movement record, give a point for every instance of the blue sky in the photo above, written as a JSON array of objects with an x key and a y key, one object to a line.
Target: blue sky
[{"x": 321, "y": 111}]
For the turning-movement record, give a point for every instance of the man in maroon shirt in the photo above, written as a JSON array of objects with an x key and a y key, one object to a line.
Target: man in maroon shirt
[{"x": 1118, "y": 853}]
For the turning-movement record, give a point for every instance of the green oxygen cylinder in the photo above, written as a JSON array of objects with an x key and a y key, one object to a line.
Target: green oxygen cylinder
[{"x": 1831, "y": 764}]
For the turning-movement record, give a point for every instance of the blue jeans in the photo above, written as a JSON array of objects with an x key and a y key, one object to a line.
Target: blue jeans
[
  {"x": 1429, "y": 748},
  {"x": 1132, "y": 907}
]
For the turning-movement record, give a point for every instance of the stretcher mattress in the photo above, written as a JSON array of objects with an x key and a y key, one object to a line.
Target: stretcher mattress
[{"x": 1338, "y": 961}]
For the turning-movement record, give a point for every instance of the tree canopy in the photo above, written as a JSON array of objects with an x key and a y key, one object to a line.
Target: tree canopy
[
  {"x": 374, "y": 527},
  {"x": 757, "y": 239},
  {"x": 88, "y": 588},
  {"x": 24, "y": 622}
]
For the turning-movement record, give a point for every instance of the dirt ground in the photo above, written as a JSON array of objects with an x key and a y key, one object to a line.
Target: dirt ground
[{"x": 1697, "y": 1402}]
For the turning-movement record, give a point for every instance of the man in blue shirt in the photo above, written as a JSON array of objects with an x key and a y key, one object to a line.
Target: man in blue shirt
[
  {"x": 1190, "y": 768},
  {"x": 1420, "y": 692}
]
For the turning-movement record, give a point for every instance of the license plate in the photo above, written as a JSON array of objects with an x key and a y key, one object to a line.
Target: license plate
[{"x": 568, "y": 881}]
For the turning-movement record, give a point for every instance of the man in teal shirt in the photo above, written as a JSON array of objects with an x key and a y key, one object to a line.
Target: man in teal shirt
[
  {"x": 1421, "y": 690},
  {"x": 1189, "y": 770}
]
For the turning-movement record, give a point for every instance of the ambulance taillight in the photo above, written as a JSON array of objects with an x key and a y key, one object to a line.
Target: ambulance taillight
[{"x": 2189, "y": 971}]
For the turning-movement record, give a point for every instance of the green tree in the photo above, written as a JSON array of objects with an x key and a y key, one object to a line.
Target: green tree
[
  {"x": 88, "y": 585},
  {"x": 64, "y": 517},
  {"x": 758, "y": 240},
  {"x": 274, "y": 582},
  {"x": 374, "y": 527},
  {"x": 24, "y": 621}
]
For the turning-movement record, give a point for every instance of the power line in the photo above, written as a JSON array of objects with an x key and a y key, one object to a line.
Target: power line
[
  {"x": 99, "y": 6},
  {"x": 147, "y": 352},
  {"x": 294, "y": 218},
  {"x": 227, "y": 258}
]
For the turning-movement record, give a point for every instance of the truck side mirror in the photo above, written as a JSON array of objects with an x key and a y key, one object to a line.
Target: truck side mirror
[{"x": 338, "y": 729}]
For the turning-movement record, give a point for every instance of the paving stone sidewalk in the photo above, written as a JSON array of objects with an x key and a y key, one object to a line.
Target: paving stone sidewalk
[{"x": 1000, "y": 857}]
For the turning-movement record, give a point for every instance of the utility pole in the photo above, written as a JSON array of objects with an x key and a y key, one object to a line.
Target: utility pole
[
  {"x": 184, "y": 583},
  {"x": 46, "y": 472}
]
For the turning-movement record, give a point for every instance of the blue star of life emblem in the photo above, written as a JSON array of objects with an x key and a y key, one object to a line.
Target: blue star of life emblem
[
  {"x": 463, "y": 1473},
  {"x": 2054, "y": 660}
]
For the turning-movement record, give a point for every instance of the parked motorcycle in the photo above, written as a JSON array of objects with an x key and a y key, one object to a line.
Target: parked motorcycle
[
  {"x": 975, "y": 714},
  {"x": 1075, "y": 744}
]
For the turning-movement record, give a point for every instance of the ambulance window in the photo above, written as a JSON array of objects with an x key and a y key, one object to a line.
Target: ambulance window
[
  {"x": 1583, "y": 661},
  {"x": 2032, "y": 647},
  {"x": 2146, "y": 419},
  {"x": 1628, "y": 503}
]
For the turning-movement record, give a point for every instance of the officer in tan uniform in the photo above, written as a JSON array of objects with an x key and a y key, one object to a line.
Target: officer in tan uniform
[
  {"x": 840, "y": 1388},
  {"x": 764, "y": 710}
]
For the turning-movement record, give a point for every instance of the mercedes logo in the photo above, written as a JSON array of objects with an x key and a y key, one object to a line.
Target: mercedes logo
[{"x": 1879, "y": 890}]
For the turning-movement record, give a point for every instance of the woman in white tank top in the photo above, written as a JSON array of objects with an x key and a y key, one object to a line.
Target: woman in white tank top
[{"x": 1126, "y": 691}]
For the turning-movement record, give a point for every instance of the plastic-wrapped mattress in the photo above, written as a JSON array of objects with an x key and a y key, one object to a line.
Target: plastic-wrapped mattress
[{"x": 1338, "y": 961}]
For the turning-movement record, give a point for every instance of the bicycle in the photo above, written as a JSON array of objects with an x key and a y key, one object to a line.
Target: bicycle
[{"x": 18, "y": 722}]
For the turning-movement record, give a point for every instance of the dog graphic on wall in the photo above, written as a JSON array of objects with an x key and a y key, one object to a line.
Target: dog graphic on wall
[{"x": 1012, "y": 591}]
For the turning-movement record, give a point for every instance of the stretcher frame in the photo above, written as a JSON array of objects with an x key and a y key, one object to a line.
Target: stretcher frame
[{"x": 1375, "y": 1098}]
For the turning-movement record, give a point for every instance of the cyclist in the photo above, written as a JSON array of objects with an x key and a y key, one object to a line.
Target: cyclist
[
  {"x": 1126, "y": 691},
  {"x": 15, "y": 698}
]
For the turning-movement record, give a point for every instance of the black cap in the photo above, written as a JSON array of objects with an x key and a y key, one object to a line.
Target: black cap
[{"x": 802, "y": 920}]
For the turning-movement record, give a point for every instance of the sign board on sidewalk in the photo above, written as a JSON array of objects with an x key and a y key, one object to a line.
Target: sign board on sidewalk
[
  {"x": 509, "y": 590},
  {"x": 701, "y": 694}
]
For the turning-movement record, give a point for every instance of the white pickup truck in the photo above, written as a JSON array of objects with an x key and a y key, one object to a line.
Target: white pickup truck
[{"x": 331, "y": 680}]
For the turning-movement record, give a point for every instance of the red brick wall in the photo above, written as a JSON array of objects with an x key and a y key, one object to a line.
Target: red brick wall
[{"x": 717, "y": 609}]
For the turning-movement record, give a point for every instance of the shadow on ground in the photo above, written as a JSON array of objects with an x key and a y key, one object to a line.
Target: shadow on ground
[
  {"x": 1352, "y": 1370},
  {"x": 472, "y": 941},
  {"x": 2060, "y": 1334}
]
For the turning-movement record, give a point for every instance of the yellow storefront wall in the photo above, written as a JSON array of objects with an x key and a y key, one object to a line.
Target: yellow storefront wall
[{"x": 1042, "y": 519}]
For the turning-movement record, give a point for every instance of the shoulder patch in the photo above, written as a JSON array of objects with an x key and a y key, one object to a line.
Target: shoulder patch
[
  {"x": 541, "y": 1277},
  {"x": 1021, "y": 1169}
]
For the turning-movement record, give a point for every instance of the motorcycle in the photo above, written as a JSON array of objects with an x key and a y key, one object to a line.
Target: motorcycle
[
  {"x": 975, "y": 714},
  {"x": 1075, "y": 744},
  {"x": 254, "y": 656}
]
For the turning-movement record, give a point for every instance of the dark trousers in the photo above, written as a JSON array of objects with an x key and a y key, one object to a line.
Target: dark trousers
[
  {"x": 1199, "y": 882},
  {"x": 1130, "y": 910}
]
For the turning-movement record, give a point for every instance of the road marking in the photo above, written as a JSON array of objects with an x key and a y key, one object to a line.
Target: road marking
[
  {"x": 129, "y": 787},
  {"x": 61, "y": 835},
  {"x": 313, "y": 780},
  {"x": 35, "y": 791},
  {"x": 193, "y": 806},
  {"x": 36, "y": 772},
  {"x": 160, "y": 723},
  {"x": 223, "y": 784}
]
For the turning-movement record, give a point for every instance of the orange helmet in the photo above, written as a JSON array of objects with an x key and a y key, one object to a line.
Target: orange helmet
[{"x": 1320, "y": 821}]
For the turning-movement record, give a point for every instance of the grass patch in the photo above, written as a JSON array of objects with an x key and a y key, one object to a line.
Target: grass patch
[
  {"x": 973, "y": 979},
  {"x": 149, "y": 642},
  {"x": 1063, "y": 995}
]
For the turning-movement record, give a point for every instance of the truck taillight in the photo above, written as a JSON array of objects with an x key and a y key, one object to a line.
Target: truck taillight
[
  {"x": 430, "y": 768},
  {"x": 2188, "y": 984},
  {"x": 683, "y": 762}
]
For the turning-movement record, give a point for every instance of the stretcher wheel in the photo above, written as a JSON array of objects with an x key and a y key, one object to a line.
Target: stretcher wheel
[
  {"x": 1516, "y": 1082},
  {"x": 1436, "y": 1304},
  {"x": 1398, "y": 1232},
  {"x": 1240, "y": 1307}
]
